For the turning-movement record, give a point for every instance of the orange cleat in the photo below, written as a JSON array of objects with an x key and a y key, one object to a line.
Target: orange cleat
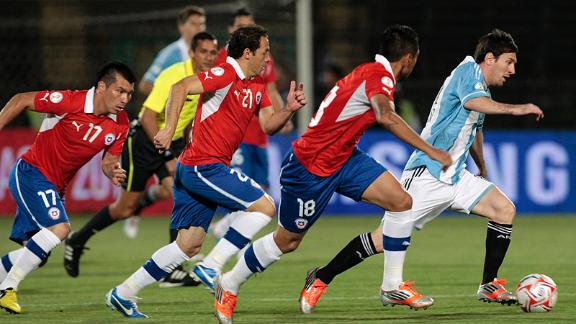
[
  {"x": 313, "y": 289},
  {"x": 224, "y": 303},
  {"x": 494, "y": 292},
  {"x": 406, "y": 295}
]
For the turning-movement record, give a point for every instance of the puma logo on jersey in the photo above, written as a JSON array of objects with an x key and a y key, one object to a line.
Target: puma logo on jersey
[
  {"x": 45, "y": 98},
  {"x": 207, "y": 77},
  {"x": 77, "y": 126},
  {"x": 237, "y": 93}
]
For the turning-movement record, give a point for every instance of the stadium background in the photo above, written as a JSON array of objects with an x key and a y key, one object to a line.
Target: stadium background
[{"x": 60, "y": 44}]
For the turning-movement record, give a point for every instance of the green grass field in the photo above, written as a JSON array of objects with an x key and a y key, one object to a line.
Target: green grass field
[{"x": 445, "y": 260}]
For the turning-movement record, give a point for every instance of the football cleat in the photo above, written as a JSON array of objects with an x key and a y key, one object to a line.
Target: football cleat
[
  {"x": 9, "y": 301},
  {"x": 126, "y": 307},
  {"x": 205, "y": 275},
  {"x": 494, "y": 292},
  {"x": 224, "y": 303},
  {"x": 72, "y": 254},
  {"x": 313, "y": 289},
  {"x": 406, "y": 295},
  {"x": 131, "y": 226},
  {"x": 179, "y": 278}
]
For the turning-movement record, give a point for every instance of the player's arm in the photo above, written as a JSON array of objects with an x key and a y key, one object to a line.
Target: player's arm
[
  {"x": 491, "y": 107},
  {"x": 277, "y": 104},
  {"x": 176, "y": 99},
  {"x": 477, "y": 153},
  {"x": 272, "y": 120},
  {"x": 15, "y": 106},
  {"x": 112, "y": 169},
  {"x": 389, "y": 119},
  {"x": 149, "y": 123}
]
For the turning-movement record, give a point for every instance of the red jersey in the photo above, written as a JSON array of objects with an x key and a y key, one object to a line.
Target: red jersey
[
  {"x": 254, "y": 134},
  {"x": 343, "y": 117},
  {"x": 71, "y": 134},
  {"x": 224, "y": 112}
]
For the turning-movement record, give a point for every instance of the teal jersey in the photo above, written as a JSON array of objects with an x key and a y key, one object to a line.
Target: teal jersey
[{"x": 450, "y": 126}]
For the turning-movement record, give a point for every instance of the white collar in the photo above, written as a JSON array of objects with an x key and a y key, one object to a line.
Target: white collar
[
  {"x": 89, "y": 104},
  {"x": 230, "y": 60},
  {"x": 384, "y": 61}
]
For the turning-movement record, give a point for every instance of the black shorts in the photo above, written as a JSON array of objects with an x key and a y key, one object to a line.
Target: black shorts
[{"x": 141, "y": 159}]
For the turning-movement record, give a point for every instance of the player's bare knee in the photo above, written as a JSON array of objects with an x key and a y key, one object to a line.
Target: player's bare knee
[
  {"x": 289, "y": 246},
  {"x": 264, "y": 206},
  {"x": 61, "y": 230},
  {"x": 119, "y": 212},
  {"x": 402, "y": 203},
  {"x": 505, "y": 214}
]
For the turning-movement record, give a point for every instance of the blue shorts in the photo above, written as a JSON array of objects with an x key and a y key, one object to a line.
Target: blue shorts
[
  {"x": 39, "y": 204},
  {"x": 304, "y": 195},
  {"x": 253, "y": 161},
  {"x": 198, "y": 190}
]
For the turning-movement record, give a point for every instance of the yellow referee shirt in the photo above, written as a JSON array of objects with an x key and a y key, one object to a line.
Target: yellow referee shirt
[{"x": 156, "y": 101}]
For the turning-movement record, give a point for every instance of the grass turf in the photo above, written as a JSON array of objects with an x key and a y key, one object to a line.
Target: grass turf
[{"x": 445, "y": 260}]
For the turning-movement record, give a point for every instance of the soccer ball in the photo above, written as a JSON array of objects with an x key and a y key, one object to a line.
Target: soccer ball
[{"x": 537, "y": 293}]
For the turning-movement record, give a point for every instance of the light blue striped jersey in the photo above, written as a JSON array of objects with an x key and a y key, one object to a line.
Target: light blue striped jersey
[
  {"x": 450, "y": 126},
  {"x": 174, "y": 53}
]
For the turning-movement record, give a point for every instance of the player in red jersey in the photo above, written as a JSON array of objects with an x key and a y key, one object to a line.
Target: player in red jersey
[
  {"x": 326, "y": 160},
  {"x": 232, "y": 93},
  {"x": 251, "y": 158},
  {"x": 79, "y": 125}
]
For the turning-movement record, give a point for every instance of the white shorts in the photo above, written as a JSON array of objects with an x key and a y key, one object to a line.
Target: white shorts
[{"x": 430, "y": 196}]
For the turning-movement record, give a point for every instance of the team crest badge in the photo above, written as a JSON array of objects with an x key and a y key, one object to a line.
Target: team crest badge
[
  {"x": 109, "y": 139},
  {"x": 258, "y": 97},
  {"x": 301, "y": 223},
  {"x": 387, "y": 82},
  {"x": 56, "y": 97},
  {"x": 217, "y": 71},
  {"x": 479, "y": 86},
  {"x": 54, "y": 213}
]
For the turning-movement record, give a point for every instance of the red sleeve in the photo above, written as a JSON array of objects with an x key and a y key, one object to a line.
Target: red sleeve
[
  {"x": 217, "y": 77},
  {"x": 221, "y": 58},
  {"x": 380, "y": 82},
  {"x": 122, "y": 129},
  {"x": 54, "y": 102},
  {"x": 269, "y": 73}
]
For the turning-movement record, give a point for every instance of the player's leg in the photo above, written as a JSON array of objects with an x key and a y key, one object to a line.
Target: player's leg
[
  {"x": 41, "y": 220},
  {"x": 478, "y": 196},
  {"x": 243, "y": 224},
  {"x": 74, "y": 246},
  {"x": 304, "y": 197},
  {"x": 191, "y": 215}
]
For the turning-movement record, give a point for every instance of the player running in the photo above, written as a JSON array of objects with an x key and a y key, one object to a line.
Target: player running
[
  {"x": 232, "y": 93},
  {"x": 326, "y": 160},
  {"x": 79, "y": 125},
  {"x": 454, "y": 124}
]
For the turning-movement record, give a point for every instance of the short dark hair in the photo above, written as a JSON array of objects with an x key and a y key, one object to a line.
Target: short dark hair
[
  {"x": 200, "y": 37},
  {"x": 245, "y": 38},
  {"x": 240, "y": 13},
  {"x": 107, "y": 73},
  {"x": 397, "y": 41},
  {"x": 496, "y": 42},
  {"x": 188, "y": 11}
]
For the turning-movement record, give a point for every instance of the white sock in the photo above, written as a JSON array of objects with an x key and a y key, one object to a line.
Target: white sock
[
  {"x": 162, "y": 262},
  {"x": 36, "y": 250},
  {"x": 221, "y": 227},
  {"x": 9, "y": 259},
  {"x": 240, "y": 233},
  {"x": 259, "y": 256},
  {"x": 396, "y": 228}
]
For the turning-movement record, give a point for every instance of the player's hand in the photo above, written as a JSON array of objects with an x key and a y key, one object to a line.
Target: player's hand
[
  {"x": 163, "y": 139},
  {"x": 483, "y": 173},
  {"x": 441, "y": 156},
  {"x": 118, "y": 175},
  {"x": 532, "y": 109},
  {"x": 296, "y": 98}
]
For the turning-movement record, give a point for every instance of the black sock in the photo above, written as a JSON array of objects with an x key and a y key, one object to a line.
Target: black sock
[
  {"x": 97, "y": 223},
  {"x": 355, "y": 252},
  {"x": 497, "y": 242},
  {"x": 173, "y": 235},
  {"x": 143, "y": 202}
]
